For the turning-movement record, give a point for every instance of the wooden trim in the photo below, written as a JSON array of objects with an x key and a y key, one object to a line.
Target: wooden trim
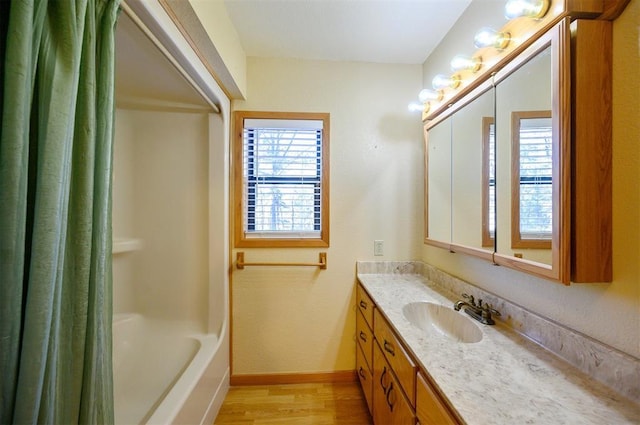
[
  {"x": 613, "y": 9},
  {"x": 240, "y": 241},
  {"x": 187, "y": 36},
  {"x": 592, "y": 202},
  {"x": 295, "y": 378},
  {"x": 561, "y": 66},
  {"x": 584, "y": 8},
  {"x": 425, "y": 178},
  {"x": 472, "y": 250},
  {"x": 517, "y": 240}
]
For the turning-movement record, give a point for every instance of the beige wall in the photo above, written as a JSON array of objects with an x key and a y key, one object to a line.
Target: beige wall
[
  {"x": 302, "y": 320},
  {"x": 459, "y": 40},
  {"x": 215, "y": 20},
  {"x": 608, "y": 312}
]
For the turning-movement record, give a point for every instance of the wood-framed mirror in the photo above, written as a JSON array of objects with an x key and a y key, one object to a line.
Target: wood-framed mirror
[
  {"x": 560, "y": 82},
  {"x": 533, "y": 181}
]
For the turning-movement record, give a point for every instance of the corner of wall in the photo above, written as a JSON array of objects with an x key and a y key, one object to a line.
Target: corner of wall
[{"x": 213, "y": 23}]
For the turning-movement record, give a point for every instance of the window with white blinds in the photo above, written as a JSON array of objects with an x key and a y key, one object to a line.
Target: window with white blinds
[
  {"x": 536, "y": 186},
  {"x": 284, "y": 179},
  {"x": 488, "y": 182}
]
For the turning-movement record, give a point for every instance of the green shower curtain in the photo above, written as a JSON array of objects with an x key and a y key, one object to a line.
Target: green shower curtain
[{"x": 56, "y": 135}]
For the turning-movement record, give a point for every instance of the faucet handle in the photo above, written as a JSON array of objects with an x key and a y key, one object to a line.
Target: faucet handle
[
  {"x": 488, "y": 310},
  {"x": 472, "y": 300}
]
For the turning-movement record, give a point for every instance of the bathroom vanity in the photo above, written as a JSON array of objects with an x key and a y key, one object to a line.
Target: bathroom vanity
[{"x": 412, "y": 373}]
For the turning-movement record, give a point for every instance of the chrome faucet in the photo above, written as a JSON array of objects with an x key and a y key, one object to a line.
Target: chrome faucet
[
  {"x": 482, "y": 313},
  {"x": 471, "y": 304}
]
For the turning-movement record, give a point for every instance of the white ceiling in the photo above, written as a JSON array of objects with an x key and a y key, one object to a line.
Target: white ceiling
[{"x": 384, "y": 31}]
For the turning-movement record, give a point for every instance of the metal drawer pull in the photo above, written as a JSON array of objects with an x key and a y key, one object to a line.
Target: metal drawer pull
[
  {"x": 363, "y": 304},
  {"x": 389, "y": 402},
  {"x": 363, "y": 336},
  {"x": 388, "y": 347},
  {"x": 384, "y": 372},
  {"x": 361, "y": 373}
]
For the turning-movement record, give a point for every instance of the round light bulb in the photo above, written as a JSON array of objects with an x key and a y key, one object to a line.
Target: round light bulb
[
  {"x": 535, "y": 9},
  {"x": 441, "y": 82},
  {"x": 488, "y": 37},
  {"x": 426, "y": 95},
  {"x": 465, "y": 63},
  {"x": 416, "y": 107}
]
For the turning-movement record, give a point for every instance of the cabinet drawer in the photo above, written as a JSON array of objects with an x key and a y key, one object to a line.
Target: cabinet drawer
[
  {"x": 391, "y": 404},
  {"x": 364, "y": 335},
  {"x": 365, "y": 377},
  {"x": 395, "y": 354},
  {"x": 365, "y": 305},
  {"x": 430, "y": 410}
]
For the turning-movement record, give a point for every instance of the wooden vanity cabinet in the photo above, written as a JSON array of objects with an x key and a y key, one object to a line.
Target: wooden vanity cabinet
[
  {"x": 396, "y": 391},
  {"x": 390, "y": 405},
  {"x": 365, "y": 376},
  {"x": 430, "y": 410},
  {"x": 365, "y": 305},
  {"x": 364, "y": 346},
  {"x": 402, "y": 365}
]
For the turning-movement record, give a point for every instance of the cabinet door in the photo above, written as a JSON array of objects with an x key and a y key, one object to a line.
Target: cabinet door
[
  {"x": 429, "y": 409},
  {"x": 393, "y": 351},
  {"x": 365, "y": 377},
  {"x": 390, "y": 405},
  {"x": 365, "y": 305},
  {"x": 364, "y": 335}
]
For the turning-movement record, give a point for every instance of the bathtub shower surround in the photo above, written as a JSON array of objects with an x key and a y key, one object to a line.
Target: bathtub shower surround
[
  {"x": 613, "y": 368},
  {"x": 170, "y": 221}
]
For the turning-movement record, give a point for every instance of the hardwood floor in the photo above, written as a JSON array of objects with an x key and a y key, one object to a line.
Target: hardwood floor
[{"x": 318, "y": 404}]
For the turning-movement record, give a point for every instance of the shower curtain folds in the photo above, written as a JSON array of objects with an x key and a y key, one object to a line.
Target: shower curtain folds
[{"x": 56, "y": 136}]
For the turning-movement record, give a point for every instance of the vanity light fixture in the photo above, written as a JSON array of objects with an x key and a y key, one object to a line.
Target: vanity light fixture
[
  {"x": 426, "y": 95},
  {"x": 534, "y": 9},
  {"x": 488, "y": 37},
  {"x": 416, "y": 107},
  {"x": 441, "y": 82},
  {"x": 465, "y": 63}
]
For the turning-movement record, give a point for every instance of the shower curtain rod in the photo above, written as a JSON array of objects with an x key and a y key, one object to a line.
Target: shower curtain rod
[{"x": 149, "y": 34}]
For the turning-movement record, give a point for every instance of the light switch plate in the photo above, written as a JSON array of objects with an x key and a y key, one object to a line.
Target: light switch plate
[{"x": 378, "y": 247}]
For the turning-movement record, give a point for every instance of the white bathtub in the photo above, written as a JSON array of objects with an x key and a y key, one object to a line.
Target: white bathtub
[{"x": 162, "y": 372}]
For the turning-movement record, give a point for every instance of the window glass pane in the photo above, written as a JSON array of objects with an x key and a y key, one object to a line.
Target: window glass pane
[
  {"x": 284, "y": 207},
  {"x": 280, "y": 153},
  {"x": 536, "y": 179},
  {"x": 283, "y": 179}
]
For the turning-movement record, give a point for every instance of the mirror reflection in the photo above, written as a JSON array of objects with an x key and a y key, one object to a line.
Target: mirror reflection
[
  {"x": 531, "y": 180},
  {"x": 468, "y": 178},
  {"x": 438, "y": 185},
  {"x": 524, "y": 158},
  {"x": 488, "y": 182}
]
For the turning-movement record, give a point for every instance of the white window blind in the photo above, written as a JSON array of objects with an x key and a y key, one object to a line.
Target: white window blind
[
  {"x": 492, "y": 181},
  {"x": 536, "y": 206},
  {"x": 283, "y": 178}
]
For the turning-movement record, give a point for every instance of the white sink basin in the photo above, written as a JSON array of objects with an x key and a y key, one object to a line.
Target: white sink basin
[{"x": 445, "y": 320}]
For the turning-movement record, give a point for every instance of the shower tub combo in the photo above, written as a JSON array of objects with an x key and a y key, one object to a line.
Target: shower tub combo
[{"x": 170, "y": 221}]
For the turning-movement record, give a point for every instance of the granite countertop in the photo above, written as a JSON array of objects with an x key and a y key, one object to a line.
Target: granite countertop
[{"x": 503, "y": 379}]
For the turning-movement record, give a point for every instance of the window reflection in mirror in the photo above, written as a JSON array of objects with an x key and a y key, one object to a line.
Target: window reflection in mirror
[
  {"x": 531, "y": 179},
  {"x": 438, "y": 184},
  {"x": 467, "y": 172},
  {"x": 528, "y": 88},
  {"x": 488, "y": 182}
]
